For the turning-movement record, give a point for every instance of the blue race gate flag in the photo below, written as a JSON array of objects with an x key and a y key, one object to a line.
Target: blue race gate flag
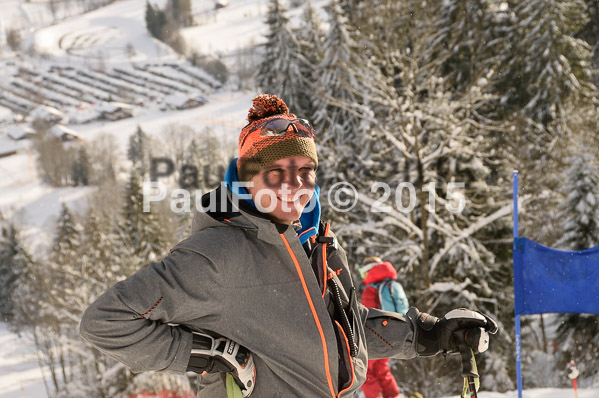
[{"x": 549, "y": 280}]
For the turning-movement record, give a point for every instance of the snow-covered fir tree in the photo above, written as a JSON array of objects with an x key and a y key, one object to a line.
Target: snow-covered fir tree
[
  {"x": 81, "y": 168},
  {"x": 579, "y": 212},
  {"x": 340, "y": 90},
  {"x": 542, "y": 65},
  {"x": 310, "y": 37},
  {"x": 458, "y": 47},
  {"x": 590, "y": 33},
  {"x": 137, "y": 151},
  {"x": 141, "y": 229},
  {"x": 350, "y": 94},
  {"x": 578, "y": 334},
  {"x": 388, "y": 121},
  {"x": 281, "y": 68},
  {"x": 15, "y": 261}
]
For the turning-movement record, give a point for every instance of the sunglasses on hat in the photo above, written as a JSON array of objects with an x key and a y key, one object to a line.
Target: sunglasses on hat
[{"x": 278, "y": 127}]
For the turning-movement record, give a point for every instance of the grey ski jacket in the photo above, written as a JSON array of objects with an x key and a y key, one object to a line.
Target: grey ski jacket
[{"x": 244, "y": 277}]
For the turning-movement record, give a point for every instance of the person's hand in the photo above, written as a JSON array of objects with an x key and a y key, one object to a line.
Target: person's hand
[
  {"x": 212, "y": 355},
  {"x": 434, "y": 335}
]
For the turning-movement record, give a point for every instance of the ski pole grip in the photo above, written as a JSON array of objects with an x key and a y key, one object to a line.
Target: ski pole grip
[{"x": 466, "y": 353}]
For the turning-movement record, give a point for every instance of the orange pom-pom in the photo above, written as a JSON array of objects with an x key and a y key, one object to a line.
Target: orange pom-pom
[{"x": 266, "y": 105}]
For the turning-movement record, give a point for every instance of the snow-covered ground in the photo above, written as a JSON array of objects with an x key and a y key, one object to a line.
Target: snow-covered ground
[
  {"x": 20, "y": 375},
  {"x": 543, "y": 393},
  {"x": 104, "y": 33},
  {"x": 240, "y": 25}
]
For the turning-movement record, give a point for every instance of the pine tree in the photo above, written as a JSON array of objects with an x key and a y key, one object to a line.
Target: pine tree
[
  {"x": 459, "y": 46},
  {"x": 103, "y": 262},
  {"x": 577, "y": 334},
  {"x": 81, "y": 168},
  {"x": 430, "y": 137},
  {"x": 280, "y": 71},
  {"x": 155, "y": 21},
  {"x": 352, "y": 98},
  {"x": 137, "y": 151},
  {"x": 310, "y": 37},
  {"x": 57, "y": 314},
  {"x": 141, "y": 230},
  {"x": 543, "y": 65},
  {"x": 579, "y": 213},
  {"x": 15, "y": 262}
]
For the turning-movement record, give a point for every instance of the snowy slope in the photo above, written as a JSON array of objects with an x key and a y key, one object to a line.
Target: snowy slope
[
  {"x": 240, "y": 25},
  {"x": 104, "y": 33},
  {"x": 20, "y": 375}
]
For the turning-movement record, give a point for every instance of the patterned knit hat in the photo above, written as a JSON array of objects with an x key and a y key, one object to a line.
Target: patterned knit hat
[{"x": 256, "y": 151}]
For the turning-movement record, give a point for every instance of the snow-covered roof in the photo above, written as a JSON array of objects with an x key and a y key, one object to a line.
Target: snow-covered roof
[
  {"x": 178, "y": 99},
  {"x": 43, "y": 111},
  {"x": 59, "y": 130},
  {"x": 112, "y": 106},
  {"x": 18, "y": 131},
  {"x": 83, "y": 116}
]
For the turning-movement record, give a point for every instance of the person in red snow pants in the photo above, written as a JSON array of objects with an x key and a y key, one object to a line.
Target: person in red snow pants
[{"x": 380, "y": 382}]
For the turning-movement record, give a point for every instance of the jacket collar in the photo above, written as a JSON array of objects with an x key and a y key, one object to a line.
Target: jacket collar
[{"x": 219, "y": 208}]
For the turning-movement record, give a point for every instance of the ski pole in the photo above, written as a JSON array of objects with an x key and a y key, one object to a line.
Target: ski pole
[
  {"x": 573, "y": 375},
  {"x": 469, "y": 369}
]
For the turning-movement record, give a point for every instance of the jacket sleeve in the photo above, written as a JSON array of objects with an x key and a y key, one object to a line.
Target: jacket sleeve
[
  {"x": 388, "y": 334},
  {"x": 133, "y": 322}
]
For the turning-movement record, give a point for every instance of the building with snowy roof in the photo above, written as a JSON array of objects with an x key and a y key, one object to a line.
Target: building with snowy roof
[
  {"x": 181, "y": 101},
  {"x": 48, "y": 114},
  {"x": 114, "y": 110},
  {"x": 18, "y": 132},
  {"x": 64, "y": 133}
]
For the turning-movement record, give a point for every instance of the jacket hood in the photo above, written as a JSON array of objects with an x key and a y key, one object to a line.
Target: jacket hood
[{"x": 380, "y": 272}]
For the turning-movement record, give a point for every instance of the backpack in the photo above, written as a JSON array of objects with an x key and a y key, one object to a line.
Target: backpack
[{"x": 392, "y": 296}]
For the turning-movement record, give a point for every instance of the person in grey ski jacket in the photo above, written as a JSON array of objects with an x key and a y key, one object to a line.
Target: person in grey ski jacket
[{"x": 262, "y": 284}]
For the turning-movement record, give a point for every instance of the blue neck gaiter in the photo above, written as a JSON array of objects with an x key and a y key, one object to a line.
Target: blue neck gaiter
[{"x": 309, "y": 219}]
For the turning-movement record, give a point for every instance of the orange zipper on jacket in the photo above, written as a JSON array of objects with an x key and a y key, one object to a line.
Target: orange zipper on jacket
[
  {"x": 324, "y": 261},
  {"x": 314, "y": 315}
]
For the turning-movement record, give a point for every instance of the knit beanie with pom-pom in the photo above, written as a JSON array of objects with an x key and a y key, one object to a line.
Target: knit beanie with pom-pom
[{"x": 257, "y": 151}]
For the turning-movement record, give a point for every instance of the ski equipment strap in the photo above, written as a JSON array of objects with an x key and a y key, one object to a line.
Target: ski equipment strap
[
  {"x": 469, "y": 368},
  {"x": 386, "y": 296},
  {"x": 471, "y": 383},
  {"x": 233, "y": 389}
]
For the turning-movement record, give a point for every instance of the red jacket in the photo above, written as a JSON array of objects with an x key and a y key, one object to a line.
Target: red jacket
[
  {"x": 379, "y": 379},
  {"x": 378, "y": 273}
]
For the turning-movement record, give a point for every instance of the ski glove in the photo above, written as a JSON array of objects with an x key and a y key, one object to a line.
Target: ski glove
[
  {"x": 213, "y": 355},
  {"x": 434, "y": 335}
]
